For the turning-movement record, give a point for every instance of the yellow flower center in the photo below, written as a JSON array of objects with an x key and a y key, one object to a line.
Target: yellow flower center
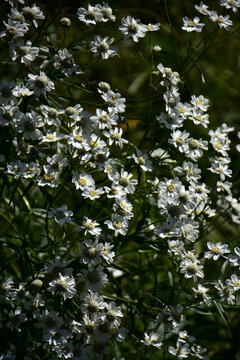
[
  {"x": 191, "y": 23},
  {"x": 92, "y": 193},
  {"x": 82, "y": 181},
  {"x": 50, "y": 137},
  {"x": 78, "y": 138},
  {"x": 180, "y": 140},
  {"x": 217, "y": 145},
  {"x": 48, "y": 177},
  {"x": 141, "y": 160},
  {"x": 171, "y": 187}
]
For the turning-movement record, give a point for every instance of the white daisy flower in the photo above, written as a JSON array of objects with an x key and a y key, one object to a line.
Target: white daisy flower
[
  {"x": 113, "y": 314},
  {"x": 195, "y": 147},
  {"x": 64, "y": 61},
  {"x": 78, "y": 140},
  {"x": 40, "y": 84},
  {"x": 123, "y": 208},
  {"x": 6, "y": 288},
  {"x": 102, "y": 46},
  {"x": 132, "y": 28},
  {"x": 231, "y": 4},
  {"x": 65, "y": 285},
  {"x": 216, "y": 250},
  {"x": 153, "y": 27},
  {"x": 171, "y": 122},
  {"x": 225, "y": 292},
  {"x": 32, "y": 14},
  {"x": 142, "y": 160},
  {"x": 124, "y": 179},
  {"x": 29, "y": 125},
  {"x": 14, "y": 3},
  {"x": 189, "y": 170},
  {"x": 201, "y": 294},
  {"x": 51, "y": 137},
  {"x": 234, "y": 282},
  {"x": 90, "y": 252},
  {"x": 14, "y": 29},
  {"x": 16, "y": 168},
  {"x": 116, "y": 191},
  {"x": 95, "y": 278},
  {"x": 25, "y": 51},
  {"x": 106, "y": 12},
  {"x": 200, "y": 102},
  {"x": 202, "y": 8},
  {"x": 153, "y": 339},
  {"x": 222, "y": 21},
  {"x": 235, "y": 259},
  {"x": 118, "y": 224},
  {"x": 50, "y": 177},
  {"x": 61, "y": 215},
  {"x": 191, "y": 269},
  {"x": 73, "y": 114},
  {"x": 51, "y": 115},
  {"x": 115, "y": 137},
  {"x": 114, "y": 102},
  {"x": 90, "y": 226},
  {"x": 181, "y": 351},
  {"x": 49, "y": 320},
  {"x": 16, "y": 318},
  {"x": 8, "y": 93},
  {"x": 192, "y": 25},
  {"x": 103, "y": 119},
  {"x": 92, "y": 303},
  {"x": 90, "y": 16},
  {"x": 107, "y": 253},
  {"x": 9, "y": 114},
  {"x": 92, "y": 193},
  {"x": 82, "y": 180},
  {"x": 31, "y": 170}
]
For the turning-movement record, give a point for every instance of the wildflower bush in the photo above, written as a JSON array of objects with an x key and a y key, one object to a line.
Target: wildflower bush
[{"x": 119, "y": 162}]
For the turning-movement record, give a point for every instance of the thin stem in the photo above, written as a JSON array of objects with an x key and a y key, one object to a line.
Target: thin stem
[{"x": 171, "y": 27}]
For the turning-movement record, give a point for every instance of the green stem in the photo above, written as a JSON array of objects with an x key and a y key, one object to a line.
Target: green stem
[{"x": 171, "y": 28}]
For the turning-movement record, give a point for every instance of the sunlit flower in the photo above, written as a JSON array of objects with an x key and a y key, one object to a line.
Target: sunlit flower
[
  {"x": 192, "y": 25},
  {"x": 132, "y": 28},
  {"x": 65, "y": 285}
]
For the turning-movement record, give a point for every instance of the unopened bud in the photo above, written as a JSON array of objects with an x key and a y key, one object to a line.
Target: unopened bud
[{"x": 65, "y": 22}]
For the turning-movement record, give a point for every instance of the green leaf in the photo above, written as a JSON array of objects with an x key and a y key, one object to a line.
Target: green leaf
[{"x": 223, "y": 316}]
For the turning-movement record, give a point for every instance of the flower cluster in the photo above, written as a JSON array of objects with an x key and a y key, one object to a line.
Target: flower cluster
[
  {"x": 111, "y": 194},
  {"x": 222, "y": 21}
]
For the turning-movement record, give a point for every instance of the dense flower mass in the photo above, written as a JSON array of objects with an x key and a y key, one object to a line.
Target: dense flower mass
[{"x": 120, "y": 206}]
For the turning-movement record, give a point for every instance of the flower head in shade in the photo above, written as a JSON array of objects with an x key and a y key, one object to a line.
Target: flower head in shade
[
  {"x": 29, "y": 125},
  {"x": 142, "y": 160},
  {"x": 61, "y": 215},
  {"x": 64, "y": 61},
  {"x": 40, "y": 84},
  {"x": 32, "y": 14},
  {"x": 102, "y": 46}
]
